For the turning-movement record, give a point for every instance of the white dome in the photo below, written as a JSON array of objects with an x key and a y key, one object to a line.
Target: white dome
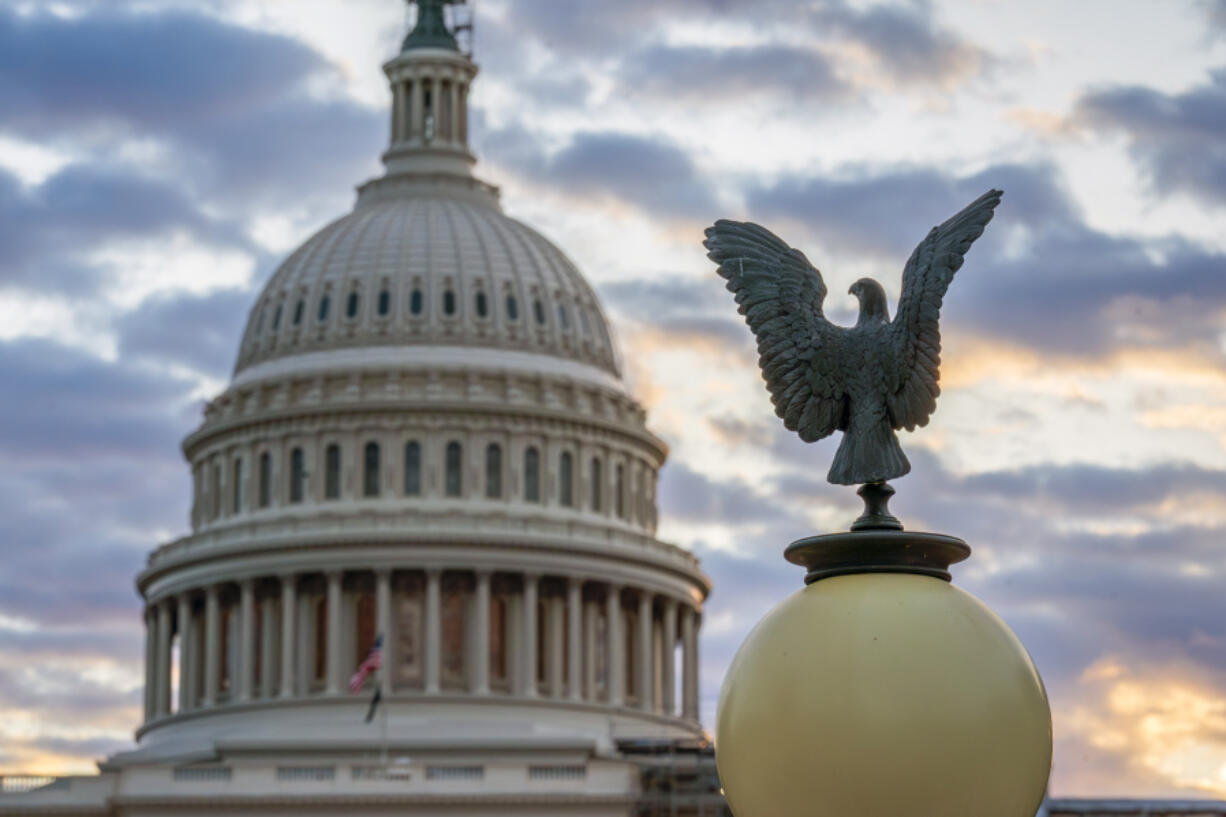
[{"x": 428, "y": 265}]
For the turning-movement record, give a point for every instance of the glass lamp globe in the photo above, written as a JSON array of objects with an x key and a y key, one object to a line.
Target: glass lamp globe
[{"x": 879, "y": 695}]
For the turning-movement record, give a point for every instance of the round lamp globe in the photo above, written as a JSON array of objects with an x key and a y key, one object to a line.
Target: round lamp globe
[{"x": 882, "y": 694}]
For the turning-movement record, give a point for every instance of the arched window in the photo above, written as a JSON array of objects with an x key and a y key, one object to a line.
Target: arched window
[
  {"x": 298, "y": 312},
  {"x": 563, "y": 318},
  {"x": 415, "y": 302},
  {"x": 332, "y": 472},
  {"x": 385, "y": 302},
  {"x": 597, "y": 486},
  {"x": 566, "y": 480},
  {"x": 619, "y": 491},
  {"x": 455, "y": 468},
  {"x": 215, "y": 493},
  {"x": 265, "y": 480},
  {"x": 512, "y": 308},
  {"x": 532, "y": 475},
  {"x": 493, "y": 471},
  {"x": 324, "y": 303},
  {"x": 370, "y": 473},
  {"x": 449, "y": 303},
  {"x": 351, "y": 305},
  {"x": 538, "y": 309},
  {"x": 237, "y": 505},
  {"x": 276, "y": 318},
  {"x": 297, "y": 476},
  {"x": 412, "y": 468},
  {"x": 482, "y": 305}
]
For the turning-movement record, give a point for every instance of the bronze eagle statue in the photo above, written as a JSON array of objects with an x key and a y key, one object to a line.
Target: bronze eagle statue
[{"x": 866, "y": 381}]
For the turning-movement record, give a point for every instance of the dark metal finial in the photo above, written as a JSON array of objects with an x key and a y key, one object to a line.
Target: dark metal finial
[{"x": 431, "y": 30}]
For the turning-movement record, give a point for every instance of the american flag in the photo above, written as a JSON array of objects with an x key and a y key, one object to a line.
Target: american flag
[{"x": 374, "y": 659}]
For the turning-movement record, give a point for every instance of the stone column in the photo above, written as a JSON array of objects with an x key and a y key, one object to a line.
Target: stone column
[
  {"x": 212, "y": 645},
  {"x": 434, "y": 630},
  {"x": 246, "y": 639},
  {"x": 689, "y": 648},
  {"x": 454, "y": 127},
  {"x": 574, "y": 637},
  {"x": 480, "y": 681},
  {"x": 613, "y": 632},
  {"x": 557, "y": 632},
  {"x": 184, "y": 623},
  {"x": 643, "y": 643},
  {"x": 162, "y": 700},
  {"x": 150, "y": 662},
  {"x": 334, "y": 668},
  {"x": 589, "y": 650},
  {"x": 668, "y": 675},
  {"x": 416, "y": 119},
  {"x": 383, "y": 627},
  {"x": 289, "y": 617},
  {"x": 268, "y": 653},
  {"x": 527, "y": 644}
]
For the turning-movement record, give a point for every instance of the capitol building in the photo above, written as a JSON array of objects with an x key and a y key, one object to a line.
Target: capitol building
[{"x": 427, "y": 440}]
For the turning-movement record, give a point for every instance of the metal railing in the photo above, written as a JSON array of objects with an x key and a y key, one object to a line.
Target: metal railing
[{"x": 25, "y": 783}]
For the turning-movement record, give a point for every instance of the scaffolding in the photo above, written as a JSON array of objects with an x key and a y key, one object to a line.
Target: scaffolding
[{"x": 677, "y": 778}]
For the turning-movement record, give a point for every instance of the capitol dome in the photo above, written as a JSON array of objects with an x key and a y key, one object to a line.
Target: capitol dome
[
  {"x": 419, "y": 265},
  {"x": 426, "y": 445}
]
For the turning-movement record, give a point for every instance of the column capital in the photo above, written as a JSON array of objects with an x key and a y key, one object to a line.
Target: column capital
[
  {"x": 434, "y": 571},
  {"x": 382, "y": 571}
]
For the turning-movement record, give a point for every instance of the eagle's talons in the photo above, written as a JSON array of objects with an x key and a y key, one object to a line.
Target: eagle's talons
[{"x": 876, "y": 516}]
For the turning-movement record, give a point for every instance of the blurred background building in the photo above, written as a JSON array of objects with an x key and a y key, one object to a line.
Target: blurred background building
[{"x": 427, "y": 437}]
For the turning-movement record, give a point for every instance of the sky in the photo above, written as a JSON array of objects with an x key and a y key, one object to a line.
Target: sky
[{"x": 158, "y": 158}]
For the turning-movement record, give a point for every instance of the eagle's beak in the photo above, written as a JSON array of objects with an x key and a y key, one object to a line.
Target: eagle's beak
[{"x": 851, "y": 290}]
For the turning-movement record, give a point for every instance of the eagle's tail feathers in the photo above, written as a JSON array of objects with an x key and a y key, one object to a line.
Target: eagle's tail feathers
[{"x": 869, "y": 454}]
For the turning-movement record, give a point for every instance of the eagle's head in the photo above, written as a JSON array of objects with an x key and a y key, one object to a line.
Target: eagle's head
[{"x": 873, "y": 308}]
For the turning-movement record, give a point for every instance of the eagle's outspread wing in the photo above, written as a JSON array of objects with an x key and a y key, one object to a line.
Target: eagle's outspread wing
[
  {"x": 780, "y": 294},
  {"x": 916, "y": 335}
]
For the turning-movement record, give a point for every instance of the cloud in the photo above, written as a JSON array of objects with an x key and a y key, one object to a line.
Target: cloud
[
  {"x": 1176, "y": 138},
  {"x": 50, "y": 231},
  {"x": 196, "y": 332},
  {"x": 234, "y": 107},
  {"x": 647, "y": 172},
  {"x": 731, "y": 76},
  {"x": 906, "y": 42}
]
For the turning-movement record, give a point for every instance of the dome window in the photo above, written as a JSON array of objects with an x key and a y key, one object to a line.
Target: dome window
[
  {"x": 370, "y": 476},
  {"x": 265, "y": 486},
  {"x": 297, "y": 476},
  {"x": 412, "y": 468},
  {"x": 619, "y": 492},
  {"x": 597, "y": 485},
  {"x": 563, "y": 318},
  {"x": 532, "y": 475},
  {"x": 385, "y": 302},
  {"x": 332, "y": 472},
  {"x": 483, "y": 305},
  {"x": 449, "y": 303},
  {"x": 455, "y": 464},
  {"x": 512, "y": 308},
  {"x": 493, "y": 471},
  {"x": 324, "y": 303},
  {"x": 538, "y": 309},
  {"x": 276, "y": 318},
  {"x": 566, "y": 480},
  {"x": 351, "y": 305},
  {"x": 298, "y": 312},
  {"x": 415, "y": 302}
]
